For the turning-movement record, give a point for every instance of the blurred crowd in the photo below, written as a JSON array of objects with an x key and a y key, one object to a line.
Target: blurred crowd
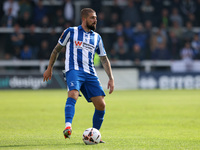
[{"x": 143, "y": 29}]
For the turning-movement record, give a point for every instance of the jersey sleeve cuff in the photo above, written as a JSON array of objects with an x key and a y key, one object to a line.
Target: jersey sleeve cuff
[
  {"x": 102, "y": 54},
  {"x": 61, "y": 43}
]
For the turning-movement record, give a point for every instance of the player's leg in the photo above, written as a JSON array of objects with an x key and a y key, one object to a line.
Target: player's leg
[
  {"x": 70, "y": 106},
  {"x": 99, "y": 112},
  {"x": 70, "y": 111},
  {"x": 93, "y": 92},
  {"x": 74, "y": 81}
]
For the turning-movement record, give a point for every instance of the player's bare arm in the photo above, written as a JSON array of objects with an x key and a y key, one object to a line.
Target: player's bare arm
[
  {"x": 107, "y": 67},
  {"x": 54, "y": 55}
]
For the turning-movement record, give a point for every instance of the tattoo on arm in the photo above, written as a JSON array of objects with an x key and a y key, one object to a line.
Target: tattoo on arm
[
  {"x": 107, "y": 67},
  {"x": 54, "y": 55}
]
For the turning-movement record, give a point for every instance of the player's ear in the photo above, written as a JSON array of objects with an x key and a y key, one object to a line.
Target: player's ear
[{"x": 83, "y": 19}]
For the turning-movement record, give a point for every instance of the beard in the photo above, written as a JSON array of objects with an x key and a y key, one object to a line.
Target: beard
[{"x": 91, "y": 27}]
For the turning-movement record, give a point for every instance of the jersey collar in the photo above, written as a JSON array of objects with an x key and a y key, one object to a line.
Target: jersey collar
[{"x": 81, "y": 28}]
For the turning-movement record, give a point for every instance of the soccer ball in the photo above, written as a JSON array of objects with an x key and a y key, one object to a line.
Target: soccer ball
[{"x": 91, "y": 136}]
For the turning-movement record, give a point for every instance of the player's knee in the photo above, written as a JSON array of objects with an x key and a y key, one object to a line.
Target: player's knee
[
  {"x": 73, "y": 94},
  {"x": 102, "y": 106}
]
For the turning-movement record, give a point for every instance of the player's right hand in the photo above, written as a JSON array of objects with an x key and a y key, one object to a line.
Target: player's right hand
[{"x": 47, "y": 75}]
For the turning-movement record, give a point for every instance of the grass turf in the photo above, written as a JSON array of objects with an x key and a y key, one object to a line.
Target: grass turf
[{"x": 141, "y": 120}]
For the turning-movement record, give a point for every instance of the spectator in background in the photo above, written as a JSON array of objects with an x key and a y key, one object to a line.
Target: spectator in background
[
  {"x": 39, "y": 12},
  {"x": 114, "y": 20},
  {"x": 69, "y": 11},
  {"x": 196, "y": 46},
  {"x": 44, "y": 52},
  {"x": 163, "y": 29},
  {"x": 187, "y": 52},
  {"x": 25, "y": 6},
  {"x": 160, "y": 52},
  {"x": 32, "y": 39},
  {"x": 17, "y": 37},
  {"x": 175, "y": 16},
  {"x": 58, "y": 19},
  {"x": 148, "y": 27},
  {"x": 188, "y": 34},
  {"x": 121, "y": 48},
  {"x": 52, "y": 38},
  {"x": 119, "y": 31},
  {"x": 117, "y": 10},
  {"x": 123, "y": 55},
  {"x": 44, "y": 23},
  {"x": 14, "y": 7},
  {"x": 187, "y": 55},
  {"x": 147, "y": 10},
  {"x": 128, "y": 32},
  {"x": 187, "y": 7},
  {"x": 136, "y": 54},
  {"x": 174, "y": 45},
  {"x": 140, "y": 36},
  {"x": 156, "y": 39},
  {"x": 26, "y": 52},
  {"x": 101, "y": 20},
  {"x": 178, "y": 31},
  {"x": 164, "y": 18},
  {"x": 113, "y": 55},
  {"x": 8, "y": 20},
  {"x": 191, "y": 18},
  {"x": 131, "y": 13},
  {"x": 26, "y": 20}
]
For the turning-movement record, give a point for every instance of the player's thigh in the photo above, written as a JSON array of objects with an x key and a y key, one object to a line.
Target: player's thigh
[
  {"x": 99, "y": 102},
  {"x": 92, "y": 88},
  {"x": 74, "y": 81}
]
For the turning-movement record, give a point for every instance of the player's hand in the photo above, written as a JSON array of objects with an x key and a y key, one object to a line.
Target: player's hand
[
  {"x": 47, "y": 75},
  {"x": 111, "y": 85}
]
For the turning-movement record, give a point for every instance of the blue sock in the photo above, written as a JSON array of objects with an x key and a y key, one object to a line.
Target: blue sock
[
  {"x": 70, "y": 109},
  {"x": 98, "y": 118}
]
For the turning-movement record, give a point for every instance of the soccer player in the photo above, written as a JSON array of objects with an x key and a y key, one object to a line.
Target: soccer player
[{"x": 81, "y": 44}]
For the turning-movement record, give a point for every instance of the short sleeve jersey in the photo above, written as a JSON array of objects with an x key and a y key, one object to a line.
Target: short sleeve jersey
[{"x": 80, "y": 49}]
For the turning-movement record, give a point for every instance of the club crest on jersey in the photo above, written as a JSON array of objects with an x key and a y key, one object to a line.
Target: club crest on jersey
[
  {"x": 72, "y": 84},
  {"x": 78, "y": 43}
]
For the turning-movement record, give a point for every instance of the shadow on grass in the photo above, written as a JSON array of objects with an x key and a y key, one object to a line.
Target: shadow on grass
[{"x": 35, "y": 145}]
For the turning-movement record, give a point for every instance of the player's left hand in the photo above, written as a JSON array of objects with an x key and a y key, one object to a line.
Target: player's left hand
[
  {"x": 47, "y": 75},
  {"x": 111, "y": 85}
]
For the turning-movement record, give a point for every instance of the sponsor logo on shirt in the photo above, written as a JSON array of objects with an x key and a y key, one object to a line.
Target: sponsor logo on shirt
[
  {"x": 85, "y": 46},
  {"x": 78, "y": 43}
]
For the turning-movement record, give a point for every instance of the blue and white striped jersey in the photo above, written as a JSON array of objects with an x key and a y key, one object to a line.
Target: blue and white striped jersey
[{"x": 80, "y": 49}]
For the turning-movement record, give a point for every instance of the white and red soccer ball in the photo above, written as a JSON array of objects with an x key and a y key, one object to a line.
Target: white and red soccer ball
[{"x": 91, "y": 136}]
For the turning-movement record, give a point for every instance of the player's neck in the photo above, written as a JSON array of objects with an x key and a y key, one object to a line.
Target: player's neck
[{"x": 86, "y": 29}]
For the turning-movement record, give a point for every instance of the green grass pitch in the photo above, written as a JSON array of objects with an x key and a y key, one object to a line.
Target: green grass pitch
[{"x": 135, "y": 120}]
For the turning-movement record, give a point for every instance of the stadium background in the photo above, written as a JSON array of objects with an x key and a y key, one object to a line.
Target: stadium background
[{"x": 150, "y": 43}]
